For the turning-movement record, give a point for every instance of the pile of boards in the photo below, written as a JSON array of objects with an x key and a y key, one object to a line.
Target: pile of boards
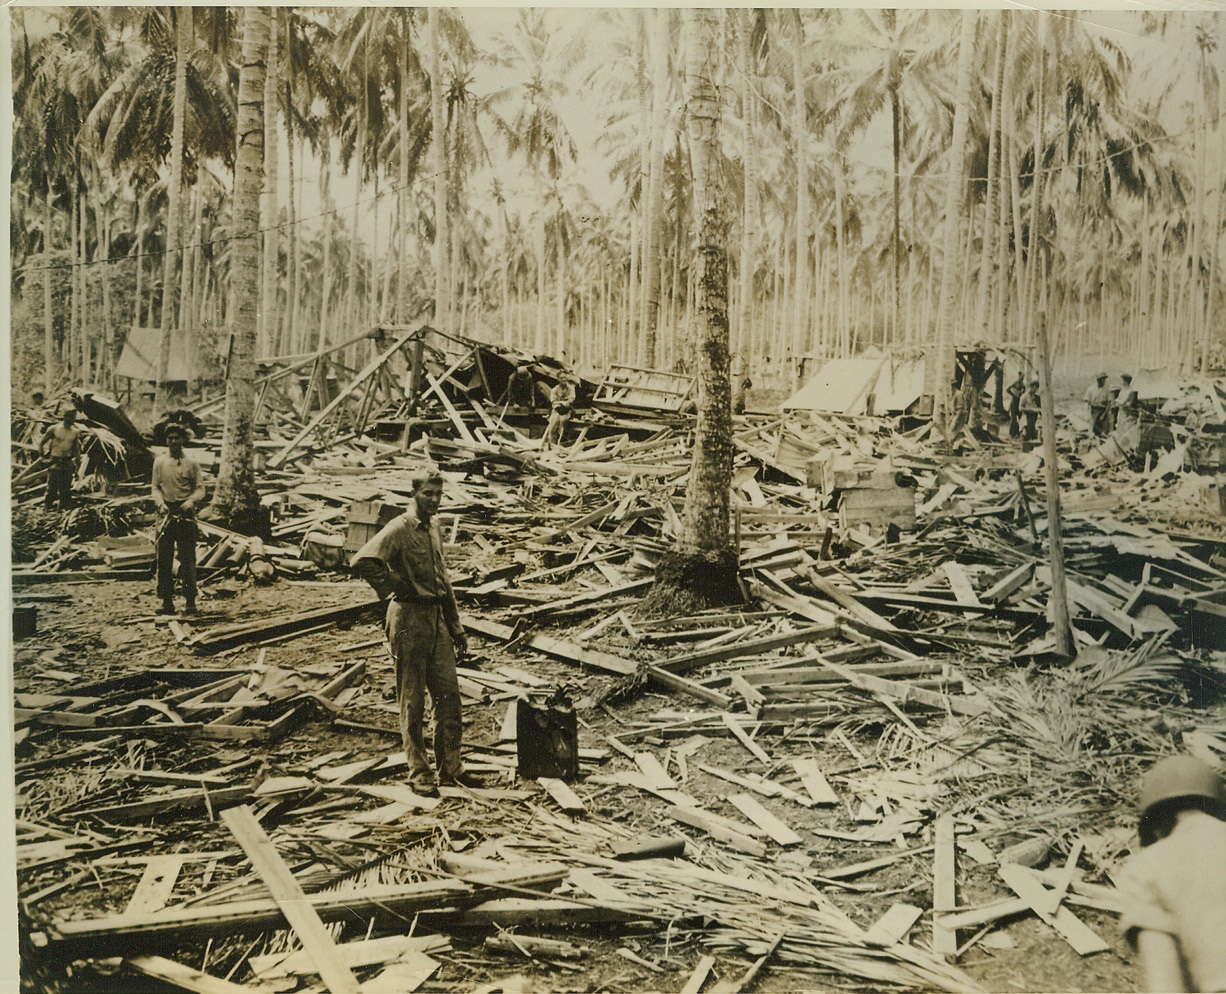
[{"x": 867, "y": 771}]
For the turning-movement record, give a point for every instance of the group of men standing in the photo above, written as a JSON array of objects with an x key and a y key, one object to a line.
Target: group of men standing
[{"x": 1108, "y": 412}]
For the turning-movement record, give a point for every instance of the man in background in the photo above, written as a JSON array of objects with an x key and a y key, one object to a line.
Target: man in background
[
  {"x": 177, "y": 491},
  {"x": 61, "y": 443}
]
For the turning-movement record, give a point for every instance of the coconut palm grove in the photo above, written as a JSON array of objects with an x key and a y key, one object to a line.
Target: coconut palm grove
[
  {"x": 671, "y": 223},
  {"x": 885, "y": 178}
]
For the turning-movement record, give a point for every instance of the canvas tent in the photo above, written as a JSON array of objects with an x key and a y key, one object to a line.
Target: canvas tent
[
  {"x": 873, "y": 383},
  {"x": 139, "y": 360}
]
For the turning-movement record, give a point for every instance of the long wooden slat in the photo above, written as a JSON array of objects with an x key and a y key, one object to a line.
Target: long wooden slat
[
  {"x": 156, "y": 885},
  {"x": 944, "y": 887},
  {"x": 768, "y": 822},
  {"x": 291, "y": 899},
  {"x": 1077, "y": 933}
]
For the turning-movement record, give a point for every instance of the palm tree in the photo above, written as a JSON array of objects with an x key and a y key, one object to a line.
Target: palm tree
[
  {"x": 703, "y": 569},
  {"x": 537, "y": 130},
  {"x": 905, "y": 73},
  {"x": 236, "y": 496}
]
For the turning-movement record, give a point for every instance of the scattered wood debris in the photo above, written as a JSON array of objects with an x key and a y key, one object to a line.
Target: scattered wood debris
[{"x": 860, "y": 773}]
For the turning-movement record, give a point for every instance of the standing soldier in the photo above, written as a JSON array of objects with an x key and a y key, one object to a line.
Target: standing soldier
[
  {"x": 1098, "y": 398},
  {"x": 1030, "y": 407},
  {"x": 61, "y": 444},
  {"x": 424, "y": 634},
  {"x": 561, "y": 402},
  {"x": 1016, "y": 389},
  {"x": 1126, "y": 402},
  {"x": 177, "y": 490}
]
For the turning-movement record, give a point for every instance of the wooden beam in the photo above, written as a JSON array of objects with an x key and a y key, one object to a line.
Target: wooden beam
[
  {"x": 291, "y": 899},
  {"x": 944, "y": 886}
]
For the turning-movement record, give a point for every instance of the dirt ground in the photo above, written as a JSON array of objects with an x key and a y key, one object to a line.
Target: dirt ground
[{"x": 104, "y": 629}]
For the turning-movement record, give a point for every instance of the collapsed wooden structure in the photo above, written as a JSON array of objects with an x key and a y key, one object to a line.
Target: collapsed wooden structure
[{"x": 856, "y": 776}]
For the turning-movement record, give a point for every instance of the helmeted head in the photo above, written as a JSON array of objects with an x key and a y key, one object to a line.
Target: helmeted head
[
  {"x": 1034, "y": 383},
  {"x": 1127, "y": 378},
  {"x": 1175, "y": 784},
  {"x": 1101, "y": 377}
]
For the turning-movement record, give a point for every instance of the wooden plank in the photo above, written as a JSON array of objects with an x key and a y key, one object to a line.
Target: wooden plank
[
  {"x": 698, "y": 977},
  {"x": 893, "y": 926},
  {"x": 1010, "y": 583},
  {"x": 742, "y": 736},
  {"x": 566, "y": 799},
  {"x": 692, "y": 660},
  {"x": 775, "y": 827},
  {"x": 291, "y": 899},
  {"x": 654, "y": 770},
  {"x": 403, "y": 976},
  {"x": 1080, "y": 936},
  {"x": 944, "y": 886},
  {"x": 815, "y": 782},
  {"x": 535, "y": 911},
  {"x": 718, "y": 829},
  {"x": 960, "y": 583},
  {"x": 185, "y": 978},
  {"x": 156, "y": 885}
]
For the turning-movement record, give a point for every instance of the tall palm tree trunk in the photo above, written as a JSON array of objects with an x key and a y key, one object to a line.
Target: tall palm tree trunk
[
  {"x": 703, "y": 569},
  {"x": 236, "y": 495},
  {"x": 183, "y": 24},
  {"x": 48, "y": 317},
  {"x": 654, "y": 201},
  {"x": 951, "y": 256},
  {"x": 438, "y": 161},
  {"x": 268, "y": 213}
]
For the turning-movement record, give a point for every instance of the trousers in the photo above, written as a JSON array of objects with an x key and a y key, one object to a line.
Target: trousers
[
  {"x": 177, "y": 538},
  {"x": 59, "y": 482},
  {"x": 424, "y": 658}
]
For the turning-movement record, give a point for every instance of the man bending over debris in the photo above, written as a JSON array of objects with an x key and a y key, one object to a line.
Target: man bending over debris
[
  {"x": 424, "y": 634},
  {"x": 1174, "y": 889},
  {"x": 177, "y": 489},
  {"x": 62, "y": 445},
  {"x": 561, "y": 400}
]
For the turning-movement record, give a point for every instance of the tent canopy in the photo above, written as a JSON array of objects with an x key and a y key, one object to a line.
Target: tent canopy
[{"x": 139, "y": 360}]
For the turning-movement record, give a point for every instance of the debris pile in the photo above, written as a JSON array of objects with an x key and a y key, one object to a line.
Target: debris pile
[{"x": 871, "y": 774}]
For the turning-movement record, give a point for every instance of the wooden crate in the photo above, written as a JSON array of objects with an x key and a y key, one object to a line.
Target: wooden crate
[
  {"x": 364, "y": 520},
  {"x": 877, "y": 507}
]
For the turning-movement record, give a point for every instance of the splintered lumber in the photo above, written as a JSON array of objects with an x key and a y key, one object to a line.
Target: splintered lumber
[
  {"x": 370, "y": 370},
  {"x": 742, "y": 736},
  {"x": 509, "y": 911},
  {"x": 960, "y": 583},
  {"x": 226, "y": 636},
  {"x": 944, "y": 886},
  {"x": 718, "y": 828},
  {"x": 814, "y": 781},
  {"x": 698, "y": 977},
  {"x": 1084, "y": 940},
  {"x": 355, "y": 954},
  {"x": 182, "y": 923},
  {"x": 845, "y": 600},
  {"x": 557, "y": 648},
  {"x": 403, "y": 976},
  {"x": 750, "y": 975},
  {"x": 685, "y": 662},
  {"x": 765, "y": 820},
  {"x": 199, "y": 799},
  {"x": 906, "y": 693},
  {"x": 185, "y": 978},
  {"x": 532, "y": 945},
  {"x": 291, "y": 899}
]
